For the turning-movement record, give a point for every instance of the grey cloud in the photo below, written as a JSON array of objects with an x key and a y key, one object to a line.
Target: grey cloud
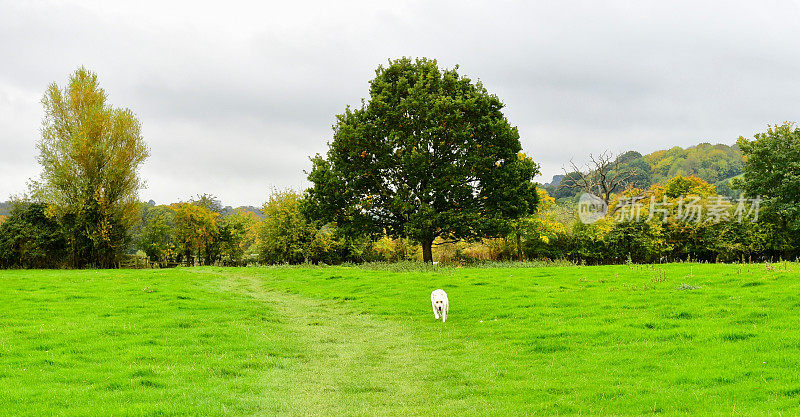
[{"x": 234, "y": 98}]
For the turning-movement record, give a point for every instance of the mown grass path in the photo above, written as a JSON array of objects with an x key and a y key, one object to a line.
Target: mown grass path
[{"x": 346, "y": 357}]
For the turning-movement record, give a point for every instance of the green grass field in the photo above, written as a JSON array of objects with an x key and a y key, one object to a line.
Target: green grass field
[{"x": 616, "y": 340}]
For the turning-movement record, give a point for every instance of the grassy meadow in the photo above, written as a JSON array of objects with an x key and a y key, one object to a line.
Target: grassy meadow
[{"x": 676, "y": 339}]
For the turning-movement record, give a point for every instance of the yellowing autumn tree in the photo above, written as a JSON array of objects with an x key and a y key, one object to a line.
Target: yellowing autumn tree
[
  {"x": 195, "y": 231},
  {"x": 90, "y": 154},
  {"x": 285, "y": 232},
  {"x": 683, "y": 186}
]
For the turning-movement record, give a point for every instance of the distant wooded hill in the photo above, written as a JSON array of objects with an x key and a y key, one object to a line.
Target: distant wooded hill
[
  {"x": 712, "y": 163},
  {"x": 716, "y": 164},
  {"x": 255, "y": 210}
]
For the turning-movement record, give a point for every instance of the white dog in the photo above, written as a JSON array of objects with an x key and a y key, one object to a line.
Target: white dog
[{"x": 440, "y": 304}]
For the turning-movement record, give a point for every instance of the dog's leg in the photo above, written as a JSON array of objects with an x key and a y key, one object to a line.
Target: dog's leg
[
  {"x": 435, "y": 313},
  {"x": 444, "y": 312}
]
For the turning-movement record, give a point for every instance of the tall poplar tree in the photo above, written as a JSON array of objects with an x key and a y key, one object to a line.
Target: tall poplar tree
[{"x": 90, "y": 154}]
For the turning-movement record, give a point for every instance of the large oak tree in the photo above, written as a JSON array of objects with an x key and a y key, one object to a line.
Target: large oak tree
[{"x": 429, "y": 155}]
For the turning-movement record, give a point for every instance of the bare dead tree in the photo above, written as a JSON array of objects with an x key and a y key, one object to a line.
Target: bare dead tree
[{"x": 603, "y": 175}]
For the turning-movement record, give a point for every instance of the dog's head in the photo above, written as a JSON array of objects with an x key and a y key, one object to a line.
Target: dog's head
[{"x": 438, "y": 298}]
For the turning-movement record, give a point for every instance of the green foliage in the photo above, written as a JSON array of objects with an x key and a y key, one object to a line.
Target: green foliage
[
  {"x": 772, "y": 171},
  {"x": 196, "y": 230},
  {"x": 588, "y": 242},
  {"x": 687, "y": 186},
  {"x": 237, "y": 235},
  {"x": 641, "y": 171},
  {"x": 358, "y": 249},
  {"x": 732, "y": 241},
  {"x": 287, "y": 235},
  {"x": 285, "y": 232},
  {"x": 90, "y": 153},
  {"x": 536, "y": 236},
  {"x": 30, "y": 239},
  {"x": 561, "y": 192},
  {"x": 325, "y": 247},
  {"x": 712, "y": 163},
  {"x": 189, "y": 232},
  {"x": 640, "y": 242},
  {"x": 397, "y": 249},
  {"x": 154, "y": 235},
  {"x": 429, "y": 154},
  {"x": 728, "y": 187}
]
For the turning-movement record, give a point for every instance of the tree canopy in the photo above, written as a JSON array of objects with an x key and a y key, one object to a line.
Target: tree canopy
[
  {"x": 90, "y": 153},
  {"x": 429, "y": 154},
  {"x": 685, "y": 186},
  {"x": 772, "y": 171},
  {"x": 196, "y": 231},
  {"x": 285, "y": 232},
  {"x": 29, "y": 239},
  {"x": 711, "y": 163}
]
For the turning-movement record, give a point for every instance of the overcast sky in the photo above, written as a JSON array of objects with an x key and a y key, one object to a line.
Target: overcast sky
[{"x": 235, "y": 96}]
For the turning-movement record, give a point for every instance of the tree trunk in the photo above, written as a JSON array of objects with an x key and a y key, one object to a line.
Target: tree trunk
[{"x": 427, "y": 253}]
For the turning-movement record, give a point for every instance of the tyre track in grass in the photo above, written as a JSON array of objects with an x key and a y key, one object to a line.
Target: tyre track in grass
[{"x": 351, "y": 363}]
